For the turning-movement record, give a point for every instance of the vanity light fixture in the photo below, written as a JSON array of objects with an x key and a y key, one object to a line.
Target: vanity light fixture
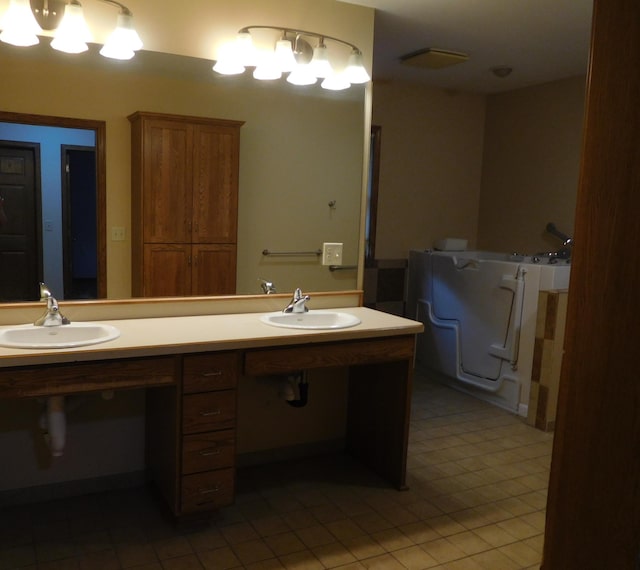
[
  {"x": 293, "y": 54},
  {"x": 25, "y": 19}
]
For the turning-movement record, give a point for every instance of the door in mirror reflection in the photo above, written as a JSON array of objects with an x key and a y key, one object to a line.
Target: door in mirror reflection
[
  {"x": 20, "y": 264},
  {"x": 79, "y": 222}
]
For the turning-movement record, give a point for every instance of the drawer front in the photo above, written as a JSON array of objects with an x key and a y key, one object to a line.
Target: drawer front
[
  {"x": 209, "y": 411},
  {"x": 207, "y": 491},
  {"x": 206, "y": 372},
  {"x": 208, "y": 451}
]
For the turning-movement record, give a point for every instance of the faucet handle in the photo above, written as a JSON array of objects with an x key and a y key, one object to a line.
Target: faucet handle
[{"x": 44, "y": 292}]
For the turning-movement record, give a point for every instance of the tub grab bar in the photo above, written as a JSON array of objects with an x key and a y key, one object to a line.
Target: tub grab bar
[{"x": 512, "y": 343}]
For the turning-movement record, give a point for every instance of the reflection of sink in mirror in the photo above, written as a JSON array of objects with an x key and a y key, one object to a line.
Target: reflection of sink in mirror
[
  {"x": 315, "y": 320},
  {"x": 63, "y": 336}
]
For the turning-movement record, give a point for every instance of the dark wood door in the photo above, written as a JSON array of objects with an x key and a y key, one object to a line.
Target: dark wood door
[
  {"x": 214, "y": 269},
  {"x": 20, "y": 260},
  {"x": 593, "y": 508}
]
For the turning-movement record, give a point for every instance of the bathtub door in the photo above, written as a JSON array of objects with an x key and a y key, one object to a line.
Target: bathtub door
[{"x": 471, "y": 293}]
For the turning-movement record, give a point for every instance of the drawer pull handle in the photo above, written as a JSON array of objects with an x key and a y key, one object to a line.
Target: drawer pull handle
[
  {"x": 208, "y": 452},
  {"x": 209, "y": 490},
  {"x": 213, "y": 373},
  {"x": 211, "y": 413}
]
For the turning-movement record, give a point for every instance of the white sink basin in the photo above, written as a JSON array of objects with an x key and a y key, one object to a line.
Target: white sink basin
[
  {"x": 63, "y": 336},
  {"x": 313, "y": 320}
]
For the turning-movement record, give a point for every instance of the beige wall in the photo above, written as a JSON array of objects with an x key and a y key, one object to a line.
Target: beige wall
[
  {"x": 530, "y": 168},
  {"x": 430, "y": 168},
  {"x": 492, "y": 170}
]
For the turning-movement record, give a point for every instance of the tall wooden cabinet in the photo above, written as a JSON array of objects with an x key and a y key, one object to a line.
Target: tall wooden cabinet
[{"x": 184, "y": 191}]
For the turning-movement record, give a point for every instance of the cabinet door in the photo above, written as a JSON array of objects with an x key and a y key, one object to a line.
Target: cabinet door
[
  {"x": 215, "y": 184},
  {"x": 214, "y": 269},
  {"x": 167, "y": 270},
  {"x": 168, "y": 178}
]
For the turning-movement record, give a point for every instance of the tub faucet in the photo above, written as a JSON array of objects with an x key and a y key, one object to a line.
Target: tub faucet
[
  {"x": 567, "y": 243},
  {"x": 297, "y": 304},
  {"x": 52, "y": 316}
]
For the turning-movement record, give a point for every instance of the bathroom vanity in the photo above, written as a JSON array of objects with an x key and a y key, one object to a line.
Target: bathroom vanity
[{"x": 191, "y": 367}]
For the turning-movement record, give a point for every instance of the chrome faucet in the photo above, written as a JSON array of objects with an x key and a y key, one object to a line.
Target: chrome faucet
[
  {"x": 297, "y": 304},
  {"x": 268, "y": 287},
  {"x": 564, "y": 252},
  {"x": 52, "y": 316}
]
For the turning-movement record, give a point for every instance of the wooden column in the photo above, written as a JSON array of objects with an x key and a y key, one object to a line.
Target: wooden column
[{"x": 593, "y": 510}]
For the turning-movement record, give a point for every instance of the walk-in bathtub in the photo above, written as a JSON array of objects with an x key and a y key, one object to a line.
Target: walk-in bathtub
[{"x": 479, "y": 310}]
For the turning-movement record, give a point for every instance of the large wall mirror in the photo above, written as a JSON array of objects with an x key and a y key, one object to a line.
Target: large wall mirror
[{"x": 301, "y": 162}]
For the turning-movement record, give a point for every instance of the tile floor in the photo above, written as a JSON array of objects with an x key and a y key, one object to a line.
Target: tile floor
[{"x": 477, "y": 476}]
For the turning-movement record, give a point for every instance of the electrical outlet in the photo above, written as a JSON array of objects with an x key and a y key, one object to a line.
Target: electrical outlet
[
  {"x": 117, "y": 233},
  {"x": 331, "y": 254}
]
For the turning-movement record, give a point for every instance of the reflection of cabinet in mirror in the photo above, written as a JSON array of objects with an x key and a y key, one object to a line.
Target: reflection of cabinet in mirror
[{"x": 184, "y": 192}]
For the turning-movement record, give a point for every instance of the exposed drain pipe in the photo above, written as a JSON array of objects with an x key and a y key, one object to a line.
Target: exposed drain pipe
[
  {"x": 288, "y": 391},
  {"x": 54, "y": 424}
]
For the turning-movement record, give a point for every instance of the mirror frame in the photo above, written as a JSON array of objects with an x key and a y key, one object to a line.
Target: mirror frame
[{"x": 100, "y": 128}]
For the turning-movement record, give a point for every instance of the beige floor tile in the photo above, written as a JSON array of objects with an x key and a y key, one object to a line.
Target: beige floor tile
[
  {"x": 285, "y": 543},
  {"x": 305, "y": 560},
  {"x": 521, "y": 553},
  {"x": 494, "y": 560},
  {"x": 189, "y": 562},
  {"x": 383, "y": 562},
  {"x": 252, "y": 551},
  {"x": 269, "y": 525},
  {"x": 414, "y": 558},
  {"x": 206, "y": 539},
  {"x": 316, "y": 535},
  {"x": 238, "y": 532},
  {"x": 344, "y": 529},
  {"x": 172, "y": 547},
  {"x": 334, "y": 555},
  {"x": 271, "y": 564},
  {"x": 363, "y": 547},
  {"x": 392, "y": 539},
  {"x": 219, "y": 559},
  {"x": 442, "y": 550},
  {"x": 469, "y": 542},
  {"x": 419, "y": 532},
  {"x": 136, "y": 554},
  {"x": 518, "y": 528},
  {"x": 445, "y": 525},
  {"x": 494, "y": 535}
]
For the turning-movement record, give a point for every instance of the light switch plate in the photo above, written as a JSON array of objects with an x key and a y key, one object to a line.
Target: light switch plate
[
  {"x": 331, "y": 254},
  {"x": 117, "y": 233}
]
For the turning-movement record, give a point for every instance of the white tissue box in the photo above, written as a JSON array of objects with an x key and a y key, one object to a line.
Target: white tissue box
[{"x": 450, "y": 244}]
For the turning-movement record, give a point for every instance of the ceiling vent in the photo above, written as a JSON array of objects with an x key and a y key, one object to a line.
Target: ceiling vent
[{"x": 433, "y": 58}]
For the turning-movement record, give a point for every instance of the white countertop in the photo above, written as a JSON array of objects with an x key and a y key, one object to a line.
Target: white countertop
[{"x": 187, "y": 334}]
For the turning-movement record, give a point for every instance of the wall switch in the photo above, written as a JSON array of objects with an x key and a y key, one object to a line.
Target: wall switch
[
  {"x": 331, "y": 254},
  {"x": 117, "y": 233}
]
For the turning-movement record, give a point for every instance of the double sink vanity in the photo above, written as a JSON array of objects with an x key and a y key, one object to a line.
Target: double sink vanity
[{"x": 191, "y": 355}]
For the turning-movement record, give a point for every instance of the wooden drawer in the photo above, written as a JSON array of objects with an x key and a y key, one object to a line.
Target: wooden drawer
[
  {"x": 209, "y": 411},
  {"x": 207, "y": 372},
  {"x": 207, "y": 491},
  {"x": 207, "y": 451}
]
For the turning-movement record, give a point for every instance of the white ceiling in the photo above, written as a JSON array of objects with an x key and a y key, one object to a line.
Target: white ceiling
[{"x": 542, "y": 40}]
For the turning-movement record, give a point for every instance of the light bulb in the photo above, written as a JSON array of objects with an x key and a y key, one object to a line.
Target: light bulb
[
  {"x": 73, "y": 33},
  {"x": 124, "y": 41},
  {"x": 355, "y": 71},
  {"x": 19, "y": 26}
]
